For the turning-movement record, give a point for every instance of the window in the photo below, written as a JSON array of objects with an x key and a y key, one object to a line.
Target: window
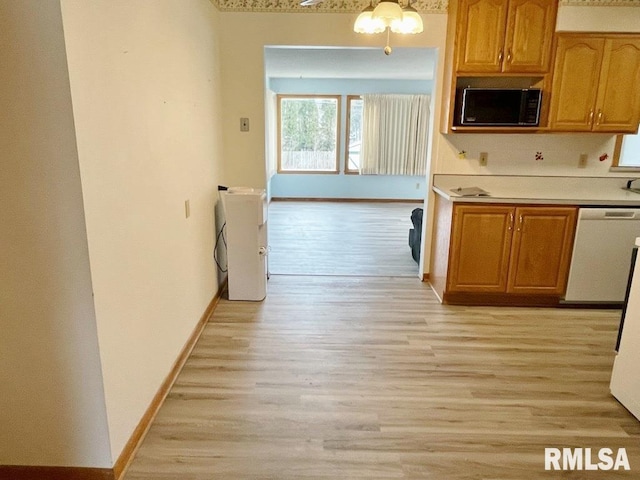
[
  {"x": 308, "y": 137},
  {"x": 354, "y": 134},
  {"x": 627, "y": 152}
]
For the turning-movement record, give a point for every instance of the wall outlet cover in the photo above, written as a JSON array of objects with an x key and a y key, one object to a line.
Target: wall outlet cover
[{"x": 582, "y": 162}]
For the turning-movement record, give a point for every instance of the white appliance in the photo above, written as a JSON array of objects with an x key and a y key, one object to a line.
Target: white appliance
[
  {"x": 601, "y": 254},
  {"x": 625, "y": 381},
  {"x": 246, "y": 216}
]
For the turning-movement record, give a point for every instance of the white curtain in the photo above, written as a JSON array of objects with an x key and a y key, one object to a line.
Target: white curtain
[{"x": 394, "y": 134}]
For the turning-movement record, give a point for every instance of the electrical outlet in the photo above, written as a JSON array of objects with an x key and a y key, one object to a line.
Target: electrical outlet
[
  {"x": 582, "y": 163},
  {"x": 484, "y": 158},
  {"x": 244, "y": 124},
  {"x": 418, "y": 186},
  {"x": 187, "y": 209}
]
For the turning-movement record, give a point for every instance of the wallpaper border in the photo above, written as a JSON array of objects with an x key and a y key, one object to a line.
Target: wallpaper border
[{"x": 356, "y": 6}]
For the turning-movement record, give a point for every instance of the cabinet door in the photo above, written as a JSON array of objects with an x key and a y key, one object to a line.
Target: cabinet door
[
  {"x": 480, "y": 35},
  {"x": 618, "y": 103},
  {"x": 575, "y": 83},
  {"x": 541, "y": 250},
  {"x": 480, "y": 244},
  {"x": 530, "y": 26}
]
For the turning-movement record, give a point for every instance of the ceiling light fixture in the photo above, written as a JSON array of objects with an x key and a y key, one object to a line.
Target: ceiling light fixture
[
  {"x": 390, "y": 16},
  {"x": 365, "y": 23}
]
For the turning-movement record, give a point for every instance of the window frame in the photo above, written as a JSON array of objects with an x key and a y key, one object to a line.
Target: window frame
[
  {"x": 615, "y": 161},
  {"x": 336, "y": 170},
  {"x": 347, "y": 170}
]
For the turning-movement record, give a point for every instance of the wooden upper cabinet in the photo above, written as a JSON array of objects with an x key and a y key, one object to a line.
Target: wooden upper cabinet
[
  {"x": 541, "y": 251},
  {"x": 575, "y": 83},
  {"x": 495, "y": 36},
  {"x": 529, "y": 38},
  {"x": 480, "y": 35},
  {"x": 618, "y": 102},
  {"x": 596, "y": 83}
]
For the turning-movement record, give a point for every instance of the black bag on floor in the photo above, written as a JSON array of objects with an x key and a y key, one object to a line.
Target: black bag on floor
[{"x": 415, "y": 234}]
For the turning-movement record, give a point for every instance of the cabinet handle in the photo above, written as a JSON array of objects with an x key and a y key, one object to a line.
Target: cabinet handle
[
  {"x": 599, "y": 117},
  {"x": 520, "y": 226},
  {"x": 509, "y": 55},
  {"x": 510, "y": 227},
  {"x": 591, "y": 117},
  {"x": 500, "y": 57}
]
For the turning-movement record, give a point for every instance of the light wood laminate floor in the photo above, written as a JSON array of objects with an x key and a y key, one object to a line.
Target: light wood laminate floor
[
  {"x": 341, "y": 238},
  {"x": 371, "y": 378}
]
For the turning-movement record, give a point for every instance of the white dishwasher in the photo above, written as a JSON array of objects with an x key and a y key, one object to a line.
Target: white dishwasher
[{"x": 602, "y": 254}]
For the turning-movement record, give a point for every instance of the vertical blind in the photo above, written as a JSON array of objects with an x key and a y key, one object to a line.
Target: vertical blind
[{"x": 394, "y": 134}]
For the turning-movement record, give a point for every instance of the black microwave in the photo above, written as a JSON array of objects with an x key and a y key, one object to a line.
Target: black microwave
[{"x": 504, "y": 107}]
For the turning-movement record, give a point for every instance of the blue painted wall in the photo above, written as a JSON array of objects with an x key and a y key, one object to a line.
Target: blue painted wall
[
  {"x": 347, "y": 186},
  {"x": 340, "y": 185}
]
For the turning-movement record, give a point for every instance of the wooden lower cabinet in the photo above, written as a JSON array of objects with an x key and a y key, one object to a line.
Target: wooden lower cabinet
[
  {"x": 541, "y": 250},
  {"x": 480, "y": 248},
  {"x": 504, "y": 254}
]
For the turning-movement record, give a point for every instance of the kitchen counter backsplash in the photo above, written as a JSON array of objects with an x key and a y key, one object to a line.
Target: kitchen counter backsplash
[{"x": 587, "y": 191}]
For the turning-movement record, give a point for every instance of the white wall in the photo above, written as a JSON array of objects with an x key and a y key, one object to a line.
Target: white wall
[
  {"x": 515, "y": 154},
  {"x": 52, "y": 409},
  {"x": 598, "y": 19},
  {"x": 144, "y": 82}
]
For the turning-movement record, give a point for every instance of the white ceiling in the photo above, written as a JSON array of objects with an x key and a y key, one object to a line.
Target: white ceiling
[{"x": 337, "y": 62}]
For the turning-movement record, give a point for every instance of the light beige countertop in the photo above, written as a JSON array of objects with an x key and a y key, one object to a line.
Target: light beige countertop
[{"x": 581, "y": 191}]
